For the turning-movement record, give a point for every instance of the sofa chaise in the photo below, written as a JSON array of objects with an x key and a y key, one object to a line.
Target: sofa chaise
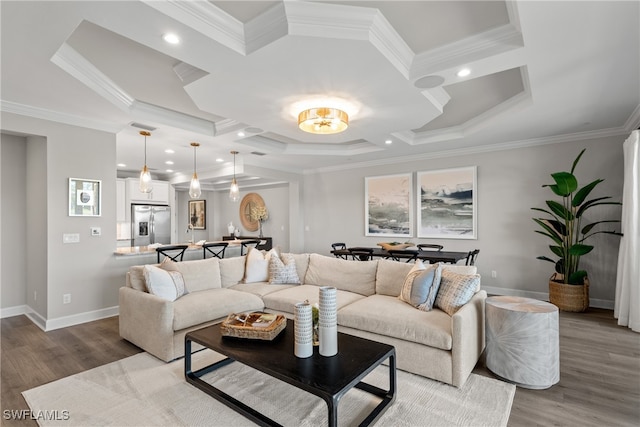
[{"x": 434, "y": 344}]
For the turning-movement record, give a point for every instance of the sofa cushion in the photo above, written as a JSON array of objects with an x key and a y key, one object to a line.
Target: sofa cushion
[
  {"x": 135, "y": 278},
  {"x": 468, "y": 270},
  {"x": 421, "y": 286},
  {"x": 256, "y": 267},
  {"x": 302, "y": 263},
  {"x": 282, "y": 269},
  {"x": 456, "y": 290},
  {"x": 205, "y": 306},
  {"x": 285, "y": 300},
  {"x": 165, "y": 284},
  {"x": 388, "y": 316},
  {"x": 260, "y": 289},
  {"x": 352, "y": 276},
  {"x": 199, "y": 275},
  {"x": 390, "y": 276},
  {"x": 232, "y": 270}
]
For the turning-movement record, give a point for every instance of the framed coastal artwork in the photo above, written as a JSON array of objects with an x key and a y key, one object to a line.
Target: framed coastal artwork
[
  {"x": 447, "y": 203},
  {"x": 85, "y": 197},
  {"x": 198, "y": 214},
  {"x": 388, "y": 207}
]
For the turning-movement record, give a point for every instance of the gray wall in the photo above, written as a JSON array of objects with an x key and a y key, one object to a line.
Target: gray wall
[
  {"x": 86, "y": 269},
  {"x": 509, "y": 185},
  {"x": 13, "y": 262},
  {"x": 314, "y": 210}
]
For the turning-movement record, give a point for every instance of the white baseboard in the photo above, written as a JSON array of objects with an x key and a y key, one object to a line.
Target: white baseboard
[
  {"x": 60, "y": 322},
  {"x": 14, "y": 311},
  {"x": 543, "y": 296},
  {"x": 76, "y": 319}
]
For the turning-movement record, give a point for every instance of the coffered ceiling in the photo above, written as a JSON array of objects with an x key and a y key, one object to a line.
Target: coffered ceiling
[{"x": 243, "y": 70}]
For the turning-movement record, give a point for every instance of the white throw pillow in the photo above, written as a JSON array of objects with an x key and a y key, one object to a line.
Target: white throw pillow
[
  {"x": 165, "y": 284},
  {"x": 456, "y": 290},
  {"x": 256, "y": 267},
  {"x": 282, "y": 269},
  {"x": 421, "y": 286}
]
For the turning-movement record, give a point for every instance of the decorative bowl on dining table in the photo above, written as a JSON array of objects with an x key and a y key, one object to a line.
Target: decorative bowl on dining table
[{"x": 395, "y": 245}]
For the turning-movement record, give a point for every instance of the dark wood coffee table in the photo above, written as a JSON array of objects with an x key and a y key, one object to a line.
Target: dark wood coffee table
[{"x": 327, "y": 377}]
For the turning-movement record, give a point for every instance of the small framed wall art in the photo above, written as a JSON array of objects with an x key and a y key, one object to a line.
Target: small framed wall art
[
  {"x": 198, "y": 214},
  {"x": 447, "y": 203},
  {"x": 85, "y": 197},
  {"x": 387, "y": 206}
]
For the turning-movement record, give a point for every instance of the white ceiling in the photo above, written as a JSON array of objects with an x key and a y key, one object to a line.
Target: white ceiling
[{"x": 539, "y": 70}]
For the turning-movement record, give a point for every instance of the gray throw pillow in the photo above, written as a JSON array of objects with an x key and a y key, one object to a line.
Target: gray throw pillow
[{"x": 421, "y": 287}]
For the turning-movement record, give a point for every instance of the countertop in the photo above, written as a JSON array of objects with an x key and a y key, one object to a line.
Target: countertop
[{"x": 145, "y": 250}]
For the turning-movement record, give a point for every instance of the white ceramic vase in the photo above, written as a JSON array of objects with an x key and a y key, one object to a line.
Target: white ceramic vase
[
  {"x": 303, "y": 329},
  {"x": 327, "y": 322}
]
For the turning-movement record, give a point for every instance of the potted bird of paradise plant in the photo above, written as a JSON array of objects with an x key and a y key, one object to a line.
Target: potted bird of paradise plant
[{"x": 569, "y": 285}]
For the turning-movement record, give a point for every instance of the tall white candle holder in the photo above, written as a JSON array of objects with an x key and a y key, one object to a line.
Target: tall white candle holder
[
  {"x": 327, "y": 322},
  {"x": 303, "y": 328}
]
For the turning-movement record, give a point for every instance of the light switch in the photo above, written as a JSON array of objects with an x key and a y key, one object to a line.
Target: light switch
[
  {"x": 71, "y": 238},
  {"x": 96, "y": 231}
]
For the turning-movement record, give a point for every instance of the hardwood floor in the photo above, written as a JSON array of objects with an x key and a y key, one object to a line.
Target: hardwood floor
[{"x": 599, "y": 368}]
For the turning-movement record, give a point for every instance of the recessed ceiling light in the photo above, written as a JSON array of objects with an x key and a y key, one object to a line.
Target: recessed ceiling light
[
  {"x": 171, "y": 38},
  {"x": 219, "y": 160},
  {"x": 464, "y": 72},
  {"x": 169, "y": 151},
  {"x": 168, "y": 162},
  {"x": 169, "y": 170},
  {"x": 388, "y": 141},
  {"x": 240, "y": 133},
  {"x": 122, "y": 165}
]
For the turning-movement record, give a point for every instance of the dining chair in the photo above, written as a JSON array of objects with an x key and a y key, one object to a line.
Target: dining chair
[
  {"x": 423, "y": 246},
  {"x": 361, "y": 254},
  {"x": 215, "y": 248},
  {"x": 173, "y": 252},
  {"x": 246, "y": 244},
  {"x": 339, "y": 247},
  {"x": 471, "y": 258},
  {"x": 400, "y": 254}
]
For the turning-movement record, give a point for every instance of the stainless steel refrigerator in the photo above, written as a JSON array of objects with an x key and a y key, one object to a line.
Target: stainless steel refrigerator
[{"x": 150, "y": 224}]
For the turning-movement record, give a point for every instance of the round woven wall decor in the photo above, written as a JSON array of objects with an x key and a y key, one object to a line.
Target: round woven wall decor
[{"x": 248, "y": 202}]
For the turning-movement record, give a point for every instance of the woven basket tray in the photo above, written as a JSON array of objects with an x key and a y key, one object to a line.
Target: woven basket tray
[
  {"x": 399, "y": 246},
  {"x": 229, "y": 328}
]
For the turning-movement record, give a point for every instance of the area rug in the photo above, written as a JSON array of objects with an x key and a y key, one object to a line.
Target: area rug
[{"x": 144, "y": 391}]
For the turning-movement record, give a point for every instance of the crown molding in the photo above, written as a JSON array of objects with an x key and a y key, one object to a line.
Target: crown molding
[
  {"x": 633, "y": 122},
  {"x": 266, "y": 28},
  {"x": 466, "y": 51},
  {"x": 55, "y": 116},
  {"x": 75, "y": 64},
  {"x": 503, "y": 146},
  {"x": 350, "y": 23}
]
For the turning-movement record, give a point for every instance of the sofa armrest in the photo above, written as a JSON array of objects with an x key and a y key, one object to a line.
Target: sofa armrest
[
  {"x": 468, "y": 337},
  {"x": 147, "y": 321}
]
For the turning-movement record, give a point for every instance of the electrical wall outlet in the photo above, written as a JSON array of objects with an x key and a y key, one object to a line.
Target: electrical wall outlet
[
  {"x": 494, "y": 274},
  {"x": 66, "y": 299},
  {"x": 71, "y": 238}
]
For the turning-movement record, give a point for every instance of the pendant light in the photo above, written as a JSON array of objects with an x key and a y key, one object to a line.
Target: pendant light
[
  {"x": 234, "y": 190},
  {"x": 194, "y": 188},
  {"x": 146, "y": 185}
]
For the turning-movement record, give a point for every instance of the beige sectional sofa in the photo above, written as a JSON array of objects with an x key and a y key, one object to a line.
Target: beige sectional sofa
[{"x": 428, "y": 343}]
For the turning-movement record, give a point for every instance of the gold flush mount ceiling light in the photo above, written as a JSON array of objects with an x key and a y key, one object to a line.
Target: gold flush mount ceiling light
[{"x": 323, "y": 120}]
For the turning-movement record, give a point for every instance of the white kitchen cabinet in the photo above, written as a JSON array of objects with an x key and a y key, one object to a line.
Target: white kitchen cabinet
[{"x": 160, "y": 193}]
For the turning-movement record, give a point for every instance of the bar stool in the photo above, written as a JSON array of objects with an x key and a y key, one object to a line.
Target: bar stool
[
  {"x": 215, "y": 248},
  {"x": 174, "y": 252}
]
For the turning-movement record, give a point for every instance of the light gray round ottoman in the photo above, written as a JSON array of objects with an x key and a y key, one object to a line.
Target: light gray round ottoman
[{"x": 522, "y": 341}]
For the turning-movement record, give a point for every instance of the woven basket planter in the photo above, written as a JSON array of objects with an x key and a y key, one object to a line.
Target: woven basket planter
[{"x": 573, "y": 298}]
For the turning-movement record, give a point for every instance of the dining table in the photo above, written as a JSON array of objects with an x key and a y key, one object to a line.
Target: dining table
[{"x": 451, "y": 257}]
